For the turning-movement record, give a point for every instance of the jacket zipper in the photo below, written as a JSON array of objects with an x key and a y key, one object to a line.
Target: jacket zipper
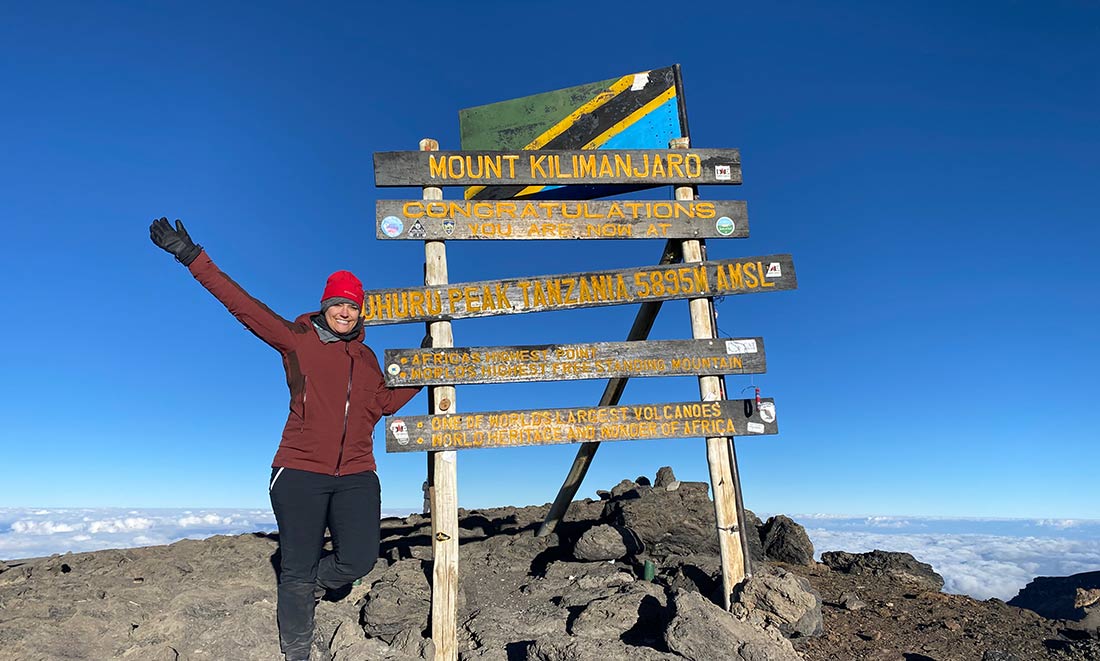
[
  {"x": 347, "y": 406},
  {"x": 305, "y": 394}
]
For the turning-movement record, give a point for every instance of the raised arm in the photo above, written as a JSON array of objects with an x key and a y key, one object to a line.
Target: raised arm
[{"x": 256, "y": 316}]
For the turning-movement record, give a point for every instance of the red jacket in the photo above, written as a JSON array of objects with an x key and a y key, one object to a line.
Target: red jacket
[{"x": 337, "y": 392}]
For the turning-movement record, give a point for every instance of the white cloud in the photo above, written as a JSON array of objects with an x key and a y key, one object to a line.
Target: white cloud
[
  {"x": 128, "y": 524},
  {"x": 886, "y": 522},
  {"x": 43, "y": 527},
  {"x": 208, "y": 519},
  {"x": 32, "y": 533},
  {"x": 1059, "y": 523},
  {"x": 981, "y": 566}
]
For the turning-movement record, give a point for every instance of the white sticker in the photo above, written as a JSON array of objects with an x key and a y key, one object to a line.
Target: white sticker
[
  {"x": 394, "y": 369},
  {"x": 640, "y": 81},
  {"x": 400, "y": 431},
  {"x": 741, "y": 346},
  {"x": 392, "y": 226},
  {"x": 755, "y": 428},
  {"x": 774, "y": 271},
  {"x": 722, "y": 172},
  {"x": 767, "y": 411}
]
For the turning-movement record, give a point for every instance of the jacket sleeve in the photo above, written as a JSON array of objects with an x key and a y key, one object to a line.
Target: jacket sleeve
[
  {"x": 390, "y": 399},
  {"x": 257, "y": 317}
]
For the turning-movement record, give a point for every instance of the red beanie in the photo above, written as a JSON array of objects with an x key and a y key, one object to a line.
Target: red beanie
[{"x": 343, "y": 284}]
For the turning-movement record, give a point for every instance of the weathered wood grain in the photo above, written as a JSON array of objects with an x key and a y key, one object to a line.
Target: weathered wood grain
[
  {"x": 635, "y": 422},
  {"x": 442, "y": 468},
  {"x": 557, "y": 167},
  {"x": 568, "y": 362},
  {"x": 456, "y": 220},
  {"x": 487, "y": 298}
]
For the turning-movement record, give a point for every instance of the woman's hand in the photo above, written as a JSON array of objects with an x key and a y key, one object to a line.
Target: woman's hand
[{"x": 175, "y": 241}]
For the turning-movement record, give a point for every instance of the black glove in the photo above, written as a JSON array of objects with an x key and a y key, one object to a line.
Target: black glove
[{"x": 175, "y": 241}]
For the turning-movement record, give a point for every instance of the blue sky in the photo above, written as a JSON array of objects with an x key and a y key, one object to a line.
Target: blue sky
[{"x": 926, "y": 164}]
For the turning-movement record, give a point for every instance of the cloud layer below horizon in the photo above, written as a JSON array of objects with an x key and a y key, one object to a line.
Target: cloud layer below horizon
[{"x": 982, "y": 558}]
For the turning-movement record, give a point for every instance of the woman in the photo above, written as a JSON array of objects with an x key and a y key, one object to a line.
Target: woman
[{"x": 324, "y": 470}]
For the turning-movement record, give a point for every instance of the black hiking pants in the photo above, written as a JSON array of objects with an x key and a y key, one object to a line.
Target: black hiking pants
[{"x": 304, "y": 504}]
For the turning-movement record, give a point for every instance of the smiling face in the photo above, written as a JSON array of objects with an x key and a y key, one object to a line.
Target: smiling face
[{"x": 342, "y": 317}]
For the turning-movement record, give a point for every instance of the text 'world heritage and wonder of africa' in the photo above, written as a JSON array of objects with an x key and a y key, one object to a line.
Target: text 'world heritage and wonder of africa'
[{"x": 580, "y": 425}]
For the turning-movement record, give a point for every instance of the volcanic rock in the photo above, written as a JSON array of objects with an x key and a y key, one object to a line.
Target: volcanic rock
[
  {"x": 601, "y": 542},
  {"x": 520, "y": 598},
  {"x": 665, "y": 477},
  {"x": 701, "y": 631},
  {"x": 679, "y": 522},
  {"x": 902, "y": 566},
  {"x": 1056, "y": 597},
  {"x": 399, "y": 601},
  {"x": 786, "y": 541},
  {"x": 779, "y": 598}
]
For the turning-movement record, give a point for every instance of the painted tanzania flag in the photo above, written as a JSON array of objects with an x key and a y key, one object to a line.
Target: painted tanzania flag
[{"x": 637, "y": 111}]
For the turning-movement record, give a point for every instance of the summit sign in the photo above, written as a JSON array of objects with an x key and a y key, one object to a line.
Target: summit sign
[{"x": 557, "y": 167}]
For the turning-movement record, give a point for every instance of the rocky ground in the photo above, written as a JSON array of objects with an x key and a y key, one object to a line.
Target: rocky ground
[{"x": 576, "y": 595}]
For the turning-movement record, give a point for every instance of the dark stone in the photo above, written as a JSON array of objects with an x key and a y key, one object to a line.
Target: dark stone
[
  {"x": 665, "y": 477},
  {"x": 754, "y": 534},
  {"x": 851, "y": 602},
  {"x": 902, "y": 566},
  {"x": 642, "y": 481},
  {"x": 624, "y": 488},
  {"x": 786, "y": 541},
  {"x": 679, "y": 522},
  {"x": 1055, "y": 597}
]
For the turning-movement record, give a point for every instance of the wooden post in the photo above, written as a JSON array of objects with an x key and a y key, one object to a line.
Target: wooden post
[
  {"x": 718, "y": 449},
  {"x": 442, "y": 469}
]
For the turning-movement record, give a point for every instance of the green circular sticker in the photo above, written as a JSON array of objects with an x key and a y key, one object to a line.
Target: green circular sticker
[{"x": 724, "y": 226}]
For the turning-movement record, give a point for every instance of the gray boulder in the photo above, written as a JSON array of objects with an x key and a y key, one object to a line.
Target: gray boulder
[
  {"x": 901, "y": 566},
  {"x": 786, "y": 541},
  {"x": 782, "y": 600},
  {"x": 636, "y": 614},
  {"x": 587, "y": 649},
  {"x": 702, "y": 631},
  {"x": 398, "y": 602},
  {"x": 598, "y": 543}
]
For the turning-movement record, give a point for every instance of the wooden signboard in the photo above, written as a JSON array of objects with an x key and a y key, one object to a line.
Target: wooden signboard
[
  {"x": 566, "y": 362},
  {"x": 593, "y": 424},
  {"x": 450, "y": 220},
  {"x": 579, "y": 290},
  {"x": 686, "y": 167},
  {"x": 640, "y": 110}
]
